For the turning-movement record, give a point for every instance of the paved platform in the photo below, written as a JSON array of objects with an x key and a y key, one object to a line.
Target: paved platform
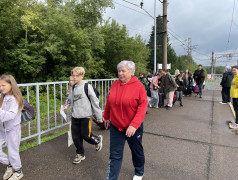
[{"x": 184, "y": 143}]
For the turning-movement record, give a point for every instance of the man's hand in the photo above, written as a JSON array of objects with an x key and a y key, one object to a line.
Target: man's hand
[{"x": 130, "y": 131}]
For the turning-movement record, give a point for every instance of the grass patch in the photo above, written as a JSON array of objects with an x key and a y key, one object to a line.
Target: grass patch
[{"x": 46, "y": 137}]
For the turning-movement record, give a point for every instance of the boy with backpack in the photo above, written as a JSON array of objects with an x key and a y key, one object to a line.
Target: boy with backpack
[{"x": 83, "y": 106}]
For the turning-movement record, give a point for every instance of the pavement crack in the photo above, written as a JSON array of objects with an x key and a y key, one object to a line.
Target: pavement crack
[{"x": 210, "y": 152}]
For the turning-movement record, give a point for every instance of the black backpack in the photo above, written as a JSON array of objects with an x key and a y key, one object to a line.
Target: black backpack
[
  {"x": 94, "y": 89},
  {"x": 28, "y": 112},
  {"x": 86, "y": 91}
]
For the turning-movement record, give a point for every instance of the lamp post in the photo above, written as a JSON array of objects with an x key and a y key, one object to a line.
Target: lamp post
[{"x": 155, "y": 36}]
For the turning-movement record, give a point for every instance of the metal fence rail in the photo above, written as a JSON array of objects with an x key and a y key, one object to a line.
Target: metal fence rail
[
  {"x": 214, "y": 84},
  {"x": 47, "y": 98}
]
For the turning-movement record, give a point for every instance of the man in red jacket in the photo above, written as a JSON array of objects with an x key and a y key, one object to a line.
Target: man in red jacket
[{"x": 126, "y": 109}]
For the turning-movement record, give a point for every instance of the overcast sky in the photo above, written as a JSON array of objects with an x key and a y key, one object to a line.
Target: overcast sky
[{"x": 206, "y": 22}]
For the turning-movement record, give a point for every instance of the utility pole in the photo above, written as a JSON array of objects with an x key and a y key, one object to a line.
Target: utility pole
[
  {"x": 212, "y": 66},
  {"x": 155, "y": 49},
  {"x": 190, "y": 51},
  {"x": 165, "y": 34}
]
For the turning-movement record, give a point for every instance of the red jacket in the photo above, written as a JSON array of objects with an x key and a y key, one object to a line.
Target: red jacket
[{"x": 126, "y": 104}]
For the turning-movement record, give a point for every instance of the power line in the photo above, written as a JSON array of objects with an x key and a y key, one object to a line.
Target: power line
[
  {"x": 176, "y": 34},
  {"x": 235, "y": 24},
  {"x": 139, "y": 7},
  {"x": 231, "y": 24},
  {"x": 184, "y": 43},
  {"x": 131, "y": 9}
]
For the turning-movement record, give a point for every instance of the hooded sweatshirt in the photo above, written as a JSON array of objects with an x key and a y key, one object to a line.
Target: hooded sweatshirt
[
  {"x": 10, "y": 116},
  {"x": 81, "y": 106},
  {"x": 227, "y": 78},
  {"x": 126, "y": 104},
  {"x": 234, "y": 89}
]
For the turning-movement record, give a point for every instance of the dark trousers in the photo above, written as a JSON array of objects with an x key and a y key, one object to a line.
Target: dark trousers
[
  {"x": 226, "y": 94},
  {"x": 117, "y": 143},
  {"x": 188, "y": 91},
  {"x": 179, "y": 95},
  {"x": 235, "y": 105},
  {"x": 81, "y": 130},
  {"x": 200, "y": 89}
]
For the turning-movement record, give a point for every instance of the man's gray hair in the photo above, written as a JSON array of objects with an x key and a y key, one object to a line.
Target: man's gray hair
[
  {"x": 228, "y": 69},
  {"x": 130, "y": 65}
]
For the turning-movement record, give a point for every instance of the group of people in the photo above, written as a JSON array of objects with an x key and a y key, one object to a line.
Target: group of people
[
  {"x": 163, "y": 84},
  {"x": 229, "y": 84},
  {"x": 125, "y": 111}
]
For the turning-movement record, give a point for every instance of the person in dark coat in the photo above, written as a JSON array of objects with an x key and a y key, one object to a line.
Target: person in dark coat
[
  {"x": 180, "y": 89},
  {"x": 188, "y": 82},
  {"x": 226, "y": 85},
  {"x": 199, "y": 77}
]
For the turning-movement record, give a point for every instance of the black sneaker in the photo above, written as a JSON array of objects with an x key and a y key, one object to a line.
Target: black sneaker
[{"x": 168, "y": 108}]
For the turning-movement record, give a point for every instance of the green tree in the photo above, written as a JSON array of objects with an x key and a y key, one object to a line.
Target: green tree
[{"x": 119, "y": 46}]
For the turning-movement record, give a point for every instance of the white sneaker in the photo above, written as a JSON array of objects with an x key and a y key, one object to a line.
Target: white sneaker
[
  {"x": 233, "y": 125},
  {"x": 16, "y": 175},
  {"x": 137, "y": 177},
  {"x": 78, "y": 158},
  {"x": 222, "y": 103},
  {"x": 99, "y": 145},
  {"x": 8, "y": 173}
]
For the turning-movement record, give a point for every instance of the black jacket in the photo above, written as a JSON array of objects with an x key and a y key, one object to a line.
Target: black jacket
[
  {"x": 180, "y": 84},
  {"x": 188, "y": 82},
  {"x": 227, "y": 79},
  {"x": 199, "y": 76}
]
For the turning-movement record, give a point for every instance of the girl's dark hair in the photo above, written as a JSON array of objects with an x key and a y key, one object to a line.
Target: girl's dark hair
[
  {"x": 141, "y": 73},
  {"x": 236, "y": 67}
]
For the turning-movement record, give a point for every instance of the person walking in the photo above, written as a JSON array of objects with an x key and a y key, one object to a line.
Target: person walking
[
  {"x": 188, "y": 82},
  {"x": 11, "y": 105},
  {"x": 82, "y": 109},
  {"x": 68, "y": 94},
  {"x": 149, "y": 80},
  {"x": 169, "y": 85},
  {"x": 226, "y": 85},
  {"x": 154, "y": 102},
  {"x": 199, "y": 77},
  {"x": 234, "y": 96},
  {"x": 126, "y": 109},
  {"x": 143, "y": 80},
  {"x": 176, "y": 74},
  {"x": 180, "y": 88}
]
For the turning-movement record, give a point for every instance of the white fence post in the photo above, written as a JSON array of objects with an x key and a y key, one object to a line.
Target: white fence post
[{"x": 38, "y": 113}]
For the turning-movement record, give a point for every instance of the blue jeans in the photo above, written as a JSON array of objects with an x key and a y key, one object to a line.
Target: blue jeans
[
  {"x": 154, "y": 98},
  {"x": 117, "y": 143}
]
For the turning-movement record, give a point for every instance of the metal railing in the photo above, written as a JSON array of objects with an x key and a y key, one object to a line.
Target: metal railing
[
  {"x": 214, "y": 84},
  {"x": 47, "y": 98}
]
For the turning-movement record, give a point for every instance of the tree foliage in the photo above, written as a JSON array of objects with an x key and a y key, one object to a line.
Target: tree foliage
[{"x": 43, "y": 41}]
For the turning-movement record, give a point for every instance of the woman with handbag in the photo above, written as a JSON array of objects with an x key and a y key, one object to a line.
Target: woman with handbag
[{"x": 154, "y": 102}]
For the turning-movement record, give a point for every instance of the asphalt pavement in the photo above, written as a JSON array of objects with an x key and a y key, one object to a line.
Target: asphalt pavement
[{"x": 185, "y": 143}]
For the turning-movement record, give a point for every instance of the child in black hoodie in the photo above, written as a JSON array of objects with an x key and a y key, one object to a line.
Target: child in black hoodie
[{"x": 180, "y": 88}]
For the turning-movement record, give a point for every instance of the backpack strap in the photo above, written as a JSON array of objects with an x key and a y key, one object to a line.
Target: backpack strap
[
  {"x": 86, "y": 90},
  {"x": 73, "y": 95}
]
